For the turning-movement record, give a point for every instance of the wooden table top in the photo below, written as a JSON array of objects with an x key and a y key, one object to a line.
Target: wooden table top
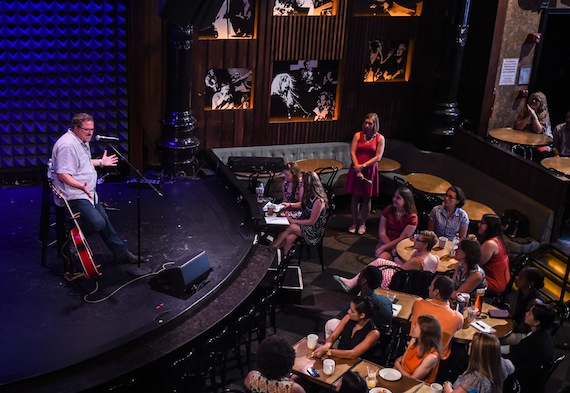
[
  {"x": 402, "y": 385},
  {"x": 303, "y": 360},
  {"x": 520, "y": 137},
  {"x": 312, "y": 164},
  {"x": 405, "y": 249},
  {"x": 388, "y": 165},
  {"x": 504, "y": 327},
  {"x": 476, "y": 210},
  {"x": 561, "y": 164},
  {"x": 428, "y": 183},
  {"x": 404, "y": 299}
]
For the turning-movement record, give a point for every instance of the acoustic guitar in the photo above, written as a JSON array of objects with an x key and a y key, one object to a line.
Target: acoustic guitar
[{"x": 78, "y": 239}]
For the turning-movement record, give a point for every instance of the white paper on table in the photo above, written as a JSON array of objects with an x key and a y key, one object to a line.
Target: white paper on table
[
  {"x": 483, "y": 327},
  {"x": 276, "y": 207},
  {"x": 276, "y": 220},
  {"x": 396, "y": 308}
]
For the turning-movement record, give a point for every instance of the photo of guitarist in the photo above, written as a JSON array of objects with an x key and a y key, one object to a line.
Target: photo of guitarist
[{"x": 76, "y": 177}]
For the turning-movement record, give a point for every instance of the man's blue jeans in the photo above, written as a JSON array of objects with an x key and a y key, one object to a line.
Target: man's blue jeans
[{"x": 94, "y": 219}]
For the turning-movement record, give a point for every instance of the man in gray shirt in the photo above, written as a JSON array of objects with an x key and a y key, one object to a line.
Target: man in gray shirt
[{"x": 76, "y": 177}]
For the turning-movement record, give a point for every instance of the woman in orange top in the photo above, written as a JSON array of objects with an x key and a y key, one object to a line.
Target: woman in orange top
[{"x": 421, "y": 359}]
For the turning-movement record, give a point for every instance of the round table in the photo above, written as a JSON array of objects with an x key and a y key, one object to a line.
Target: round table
[
  {"x": 517, "y": 137},
  {"x": 428, "y": 183},
  {"x": 388, "y": 165},
  {"x": 561, "y": 164},
  {"x": 504, "y": 327},
  {"x": 312, "y": 164},
  {"x": 476, "y": 210},
  {"x": 405, "y": 249}
]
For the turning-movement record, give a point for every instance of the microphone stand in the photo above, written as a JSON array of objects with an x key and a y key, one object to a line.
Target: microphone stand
[{"x": 138, "y": 270}]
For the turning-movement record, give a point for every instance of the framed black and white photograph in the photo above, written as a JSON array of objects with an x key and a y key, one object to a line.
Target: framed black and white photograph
[
  {"x": 304, "y": 90},
  {"x": 228, "y": 88},
  {"x": 304, "y": 7},
  {"x": 387, "y": 8},
  {"x": 388, "y": 61},
  {"x": 234, "y": 20}
]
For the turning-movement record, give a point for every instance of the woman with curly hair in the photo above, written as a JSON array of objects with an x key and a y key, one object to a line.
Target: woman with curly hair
[
  {"x": 275, "y": 359},
  {"x": 534, "y": 116},
  {"x": 421, "y": 359},
  {"x": 292, "y": 186},
  {"x": 486, "y": 370}
]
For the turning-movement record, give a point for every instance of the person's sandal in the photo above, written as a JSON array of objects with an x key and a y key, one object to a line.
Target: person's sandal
[
  {"x": 352, "y": 229},
  {"x": 362, "y": 230},
  {"x": 345, "y": 287}
]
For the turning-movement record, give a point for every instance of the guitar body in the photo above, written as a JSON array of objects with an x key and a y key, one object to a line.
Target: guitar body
[
  {"x": 79, "y": 242},
  {"x": 84, "y": 253}
]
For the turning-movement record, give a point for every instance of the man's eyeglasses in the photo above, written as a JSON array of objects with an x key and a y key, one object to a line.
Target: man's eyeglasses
[
  {"x": 87, "y": 129},
  {"x": 450, "y": 196}
]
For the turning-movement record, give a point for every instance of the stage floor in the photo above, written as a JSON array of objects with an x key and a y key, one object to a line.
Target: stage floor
[{"x": 50, "y": 323}]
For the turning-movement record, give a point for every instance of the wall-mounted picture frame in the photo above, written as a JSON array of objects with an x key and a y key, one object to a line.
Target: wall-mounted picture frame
[
  {"x": 304, "y": 90},
  {"x": 387, "y": 8},
  {"x": 228, "y": 88},
  {"x": 235, "y": 20},
  {"x": 304, "y": 7},
  {"x": 388, "y": 61}
]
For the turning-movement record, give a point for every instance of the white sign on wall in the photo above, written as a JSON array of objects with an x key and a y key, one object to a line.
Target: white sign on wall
[{"x": 509, "y": 72}]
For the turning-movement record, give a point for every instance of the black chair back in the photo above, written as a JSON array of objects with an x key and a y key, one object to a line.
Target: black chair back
[{"x": 414, "y": 282}]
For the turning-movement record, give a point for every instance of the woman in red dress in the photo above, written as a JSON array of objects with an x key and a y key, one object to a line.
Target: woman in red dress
[
  {"x": 494, "y": 254},
  {"x": 362, "y": 181}
]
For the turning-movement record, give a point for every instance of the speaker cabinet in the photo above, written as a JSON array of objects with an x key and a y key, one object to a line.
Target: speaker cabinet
[{"x": 180, "y": 280}]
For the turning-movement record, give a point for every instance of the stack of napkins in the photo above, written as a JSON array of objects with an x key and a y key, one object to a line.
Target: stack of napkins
[
  {"x": 483, "y": 327},
  {"x": 396, "y": 309}
]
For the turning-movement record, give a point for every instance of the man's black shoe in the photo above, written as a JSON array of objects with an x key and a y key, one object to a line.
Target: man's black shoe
[{"x": 128, "y": 257}]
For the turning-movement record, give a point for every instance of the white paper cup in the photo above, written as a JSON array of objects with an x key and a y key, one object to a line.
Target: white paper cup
[
  {"x": 435, "y": 388},
  {"x": 328, "y": 366},
  {"x": 442, "y": 242},
  {"x": 466, "y": 297},
  {"x": 312, "y": 340}
]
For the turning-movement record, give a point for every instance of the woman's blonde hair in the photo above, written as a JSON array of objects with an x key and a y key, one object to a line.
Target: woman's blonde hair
[
  {"x": 485, "y": 358},
  {"x": 312, "y": 186}
]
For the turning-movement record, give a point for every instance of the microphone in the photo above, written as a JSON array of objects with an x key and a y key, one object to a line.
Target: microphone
[{"x": 104, "y": 138}]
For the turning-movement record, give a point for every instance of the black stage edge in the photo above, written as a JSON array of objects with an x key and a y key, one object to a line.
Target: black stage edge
[{"x": 53, "y": 340}]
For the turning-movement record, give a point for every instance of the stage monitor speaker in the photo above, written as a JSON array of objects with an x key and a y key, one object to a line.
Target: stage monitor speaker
[
  {"x": 197, "y": 13},
  {"x": 256, "y": 164},
  {"x": 181, "y": 279}
]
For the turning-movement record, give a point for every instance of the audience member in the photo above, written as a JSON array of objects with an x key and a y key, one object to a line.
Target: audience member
[
  {"x": 421, "y": 259},
  {"x": 437, "y": 305},
  {"x": 421, "y": 359},
  {"x": 494, "y": 253},
  {"x": 486, "y": 370},
  {"x": 561, "y": 137},
  {"x": 369, "y": 279},
  {"x": 275, "y": 359},
  {"x": 534, "y": 115},
  {"x": 535, "y": 350},
  {"x": 449, "y": 219},
  {"x": 362, "y": 180},
  {"x": 311, "y": 223},
  {"x": 292, "y": 186},
  {"x": 468, "y": 276},
  {"x": 529, "y": 282},
  {"x": 398, "y": 221},
  {"x": 356, "y": 333},
  {"x": 352, "y": 382}
]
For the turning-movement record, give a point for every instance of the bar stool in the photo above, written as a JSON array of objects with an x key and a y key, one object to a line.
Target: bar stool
[{"x": 52, "y": 216}]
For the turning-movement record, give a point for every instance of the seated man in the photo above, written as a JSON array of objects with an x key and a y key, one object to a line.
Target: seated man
[
  {"x": 451, "y": 321},
  {"x": 370, "y": 279}
]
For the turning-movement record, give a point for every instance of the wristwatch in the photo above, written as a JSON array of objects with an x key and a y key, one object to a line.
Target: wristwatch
[{"x": 100, "y": 162}]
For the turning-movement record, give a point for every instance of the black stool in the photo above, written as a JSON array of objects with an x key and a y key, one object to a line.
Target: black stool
[{"x": 49, "y": 212}]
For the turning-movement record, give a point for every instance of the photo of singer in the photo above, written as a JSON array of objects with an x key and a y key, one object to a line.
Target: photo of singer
[{"x": 304, "y": 90}]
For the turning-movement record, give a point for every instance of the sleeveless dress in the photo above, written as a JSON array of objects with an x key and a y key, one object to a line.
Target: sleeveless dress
[
  {"x": 365, "y": 150},
  {"x": 260, "y": 384},
  {"x": 293, "y": 196},
  {"x": 497, "y": 269},
  {"x": 313, "y": 233},
  {"x": 348, "y": 341},
  {"x": 412, "y": 360}
]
